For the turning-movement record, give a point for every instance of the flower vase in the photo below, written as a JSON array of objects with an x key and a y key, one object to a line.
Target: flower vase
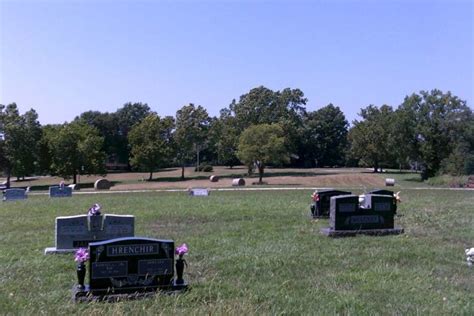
[
  {"x": 81, "y": 274},
  {"x": 179, "y": 271}
]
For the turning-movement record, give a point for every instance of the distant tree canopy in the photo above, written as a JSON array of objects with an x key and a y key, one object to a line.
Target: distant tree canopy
[
  {"x": 19, "y": 144},
  {"x": 261, "y": 145},
  {"x": 150, "y": 143},
  {"x": 431, "y": 130},
  {"x": 192, "y": 126},
  {"x": 76, "y": 149}
]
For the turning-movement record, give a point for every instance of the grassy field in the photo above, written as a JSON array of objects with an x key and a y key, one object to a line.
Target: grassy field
[{"x": 255, "y": 253}]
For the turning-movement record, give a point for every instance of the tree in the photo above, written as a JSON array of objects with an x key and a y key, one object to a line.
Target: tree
[
  {"x": 150, "y": 143},
  {"x": 443, "y": 128},
  {"x": 265, "y": 106},
  {"x": 369, "y": 138},
  {"x": 76, "y": 149},
  {"x": 192, "y": 124},
  {"x": 227, "y": 139},
  {"x": 326, "y": 135},
  {"x": 261, "y": 145},
  {"x": 19, "y": 143}
]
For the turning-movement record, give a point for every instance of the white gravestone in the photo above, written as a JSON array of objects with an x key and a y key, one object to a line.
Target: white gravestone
[{"x": 199, "y": 192}]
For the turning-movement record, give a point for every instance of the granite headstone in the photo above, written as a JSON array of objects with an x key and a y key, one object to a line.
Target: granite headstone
[
  {"x": 73, "y": 232},
  {"x": 129, "y": 266},
  {"x": 58, "y": 191},
  {"x": 14, "y": 194}
]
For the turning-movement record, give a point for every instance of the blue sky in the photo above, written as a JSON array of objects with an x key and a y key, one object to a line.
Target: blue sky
[{"x": 66, "y": 57}]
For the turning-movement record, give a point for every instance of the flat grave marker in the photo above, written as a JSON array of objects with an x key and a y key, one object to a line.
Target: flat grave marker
[{"x": 199, "y": 192}]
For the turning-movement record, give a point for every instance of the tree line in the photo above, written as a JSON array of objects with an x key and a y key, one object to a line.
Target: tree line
[{"x": 430, "y": 131}]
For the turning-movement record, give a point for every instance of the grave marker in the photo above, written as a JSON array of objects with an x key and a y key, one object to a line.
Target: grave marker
[
  {"x": 129, "y": 266},
  {"x": 58, "y": 191},
  {"x": 375, "y": 215},
  {"x": 321, "y": 201},
  {"x": 73, "y": 232},
  {"x": 14, "y": 194},
  {"x": 199, "y": 192}
]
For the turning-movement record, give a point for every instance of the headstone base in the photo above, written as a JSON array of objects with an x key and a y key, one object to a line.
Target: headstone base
[
  {"x": 85, "y": 295},
  {"x": 54, "y": 251},
  {"x": 345, "y": 233}
]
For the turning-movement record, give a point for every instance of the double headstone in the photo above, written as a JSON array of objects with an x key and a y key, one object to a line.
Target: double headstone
[
  {"x": 129, "y": 266},
  {"x": 14, "y": 194},
  {"x": 58, "y": 191},
  {"x": 73, "y": 232},
  {"x": 375, "y": 215}
]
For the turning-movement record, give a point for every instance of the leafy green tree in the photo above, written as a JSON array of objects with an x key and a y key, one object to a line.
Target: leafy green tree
[
  {"x": 261, "y": 145},
  {"x": 19, "y": 143},
  {"x": 443, "y": 128},
  {"x": 76, "y": 149},
  {"x": 227, "y": 134},
  {"x": 192, "y": 125},
  {"x": 326, "y": 135},
  {"x": 369, "y": 138},
  {"x": 150, "y": 143}
]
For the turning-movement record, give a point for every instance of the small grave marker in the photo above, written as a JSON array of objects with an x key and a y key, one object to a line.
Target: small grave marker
[
  {"x": 58, "y": 191},
  {"x": 199, "y": 192},
  {"x": 14, "y": 194},
  {"x": 129, "y": 266}
]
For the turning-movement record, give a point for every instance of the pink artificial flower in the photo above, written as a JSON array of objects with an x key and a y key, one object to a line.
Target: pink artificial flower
[
  {"x": 181, "y": 250},
  {"x": 82, "y": 255},
  {"x": 94, "y": 210}
]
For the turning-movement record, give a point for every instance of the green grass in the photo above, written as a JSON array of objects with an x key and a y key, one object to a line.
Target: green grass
[{"x": 255, "y": 253}]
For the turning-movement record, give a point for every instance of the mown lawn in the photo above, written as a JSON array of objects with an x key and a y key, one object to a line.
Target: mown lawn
[{"x": 255, "y": 253}]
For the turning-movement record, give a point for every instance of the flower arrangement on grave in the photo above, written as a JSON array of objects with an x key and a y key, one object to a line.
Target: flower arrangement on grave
[
  {"x": 94, "y": 210},
  {"x": 81, "y": 256},
  {"x": 180, "y": 262}
]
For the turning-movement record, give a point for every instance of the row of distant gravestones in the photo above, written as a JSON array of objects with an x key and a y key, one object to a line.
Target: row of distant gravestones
[
  {"x": 54, "y": 191},
  {"x": 370, "y": 213}
]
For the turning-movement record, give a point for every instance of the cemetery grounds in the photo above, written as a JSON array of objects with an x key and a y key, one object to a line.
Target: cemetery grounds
[{"x": 257, "y": 252}]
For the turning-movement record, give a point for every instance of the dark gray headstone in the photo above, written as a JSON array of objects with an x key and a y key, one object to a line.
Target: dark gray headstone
[
  {"x": 128, "y": 265},
  {"x": 374, "y": 215},
  {"x": 320, "y": 208},
  {"x": 73, "y": 232},
  {"x": 14, "y": 194},
  {"x": 57, "y": 191}
]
